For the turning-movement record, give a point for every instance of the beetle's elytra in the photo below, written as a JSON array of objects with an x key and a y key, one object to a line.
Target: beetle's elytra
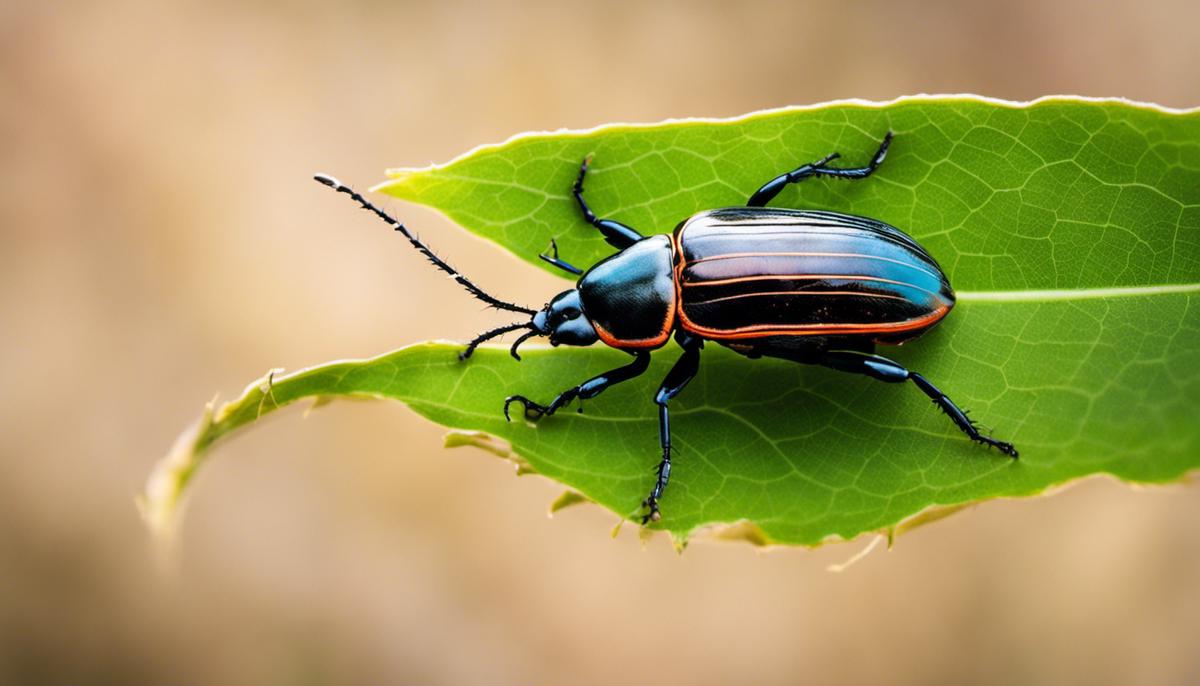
[{"x": 804, "y": 285}]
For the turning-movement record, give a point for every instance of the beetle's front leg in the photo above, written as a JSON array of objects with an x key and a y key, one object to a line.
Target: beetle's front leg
[
  {"x": 684, "y": 370},
  {"x": 554, "y": 259},
  {"x": 615, "y": 233},
  {"x": 584, "y": 391}
]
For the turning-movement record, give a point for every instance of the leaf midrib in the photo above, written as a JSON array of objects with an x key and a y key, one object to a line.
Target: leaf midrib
[{"x": 1076, "y": 293}]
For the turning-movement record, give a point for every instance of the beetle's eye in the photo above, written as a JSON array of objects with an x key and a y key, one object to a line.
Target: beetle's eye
[{"x": 564, "y": 315}]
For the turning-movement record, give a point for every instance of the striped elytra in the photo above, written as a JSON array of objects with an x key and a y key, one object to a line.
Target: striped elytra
[{"x": 749, "y": 272}]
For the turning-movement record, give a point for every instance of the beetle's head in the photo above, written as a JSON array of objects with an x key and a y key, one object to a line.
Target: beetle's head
[{"x": 562, "y": 319}]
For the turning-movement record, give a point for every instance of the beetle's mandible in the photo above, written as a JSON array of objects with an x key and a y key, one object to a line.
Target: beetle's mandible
[{"x": 808, "y": 286}]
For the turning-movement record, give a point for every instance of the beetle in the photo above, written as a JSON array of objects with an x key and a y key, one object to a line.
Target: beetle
[{"x": 809, "y": 286}]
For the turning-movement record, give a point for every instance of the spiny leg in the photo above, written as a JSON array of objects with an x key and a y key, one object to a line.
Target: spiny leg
[
  {"x": 884, "y": 369},
  {"x": 772, "y": 188},
  {"x": 584, "y": 391},
  {"x": 684, "y": 370},
  {"x": 617, "y": 234}
]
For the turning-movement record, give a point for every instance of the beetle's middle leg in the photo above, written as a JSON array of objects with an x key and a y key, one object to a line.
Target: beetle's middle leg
[
  {"x": 617, "y": 234},
  {"x": 772, "y": 188},
  {"x": 684, "y": 370},
  {"x": 884, "y": 369},
  {"x": 584, "y": 391}
]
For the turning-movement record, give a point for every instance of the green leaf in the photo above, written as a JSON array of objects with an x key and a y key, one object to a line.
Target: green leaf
[
  {"x": 1070, "y": 228},
  {"x": 1060, "y": 194}
]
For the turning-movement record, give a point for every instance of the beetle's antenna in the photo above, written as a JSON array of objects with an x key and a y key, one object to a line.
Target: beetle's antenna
[
  {"x": 416, "y": 242},
  {"x": 513, "y": 350},
  {"x": 492, "y": 334}
]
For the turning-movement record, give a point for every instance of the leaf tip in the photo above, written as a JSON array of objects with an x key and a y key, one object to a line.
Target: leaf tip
[
  {"x": 928, "y": 515},
  {"x": 568, "y": 498},
  {"x": 617, "y": 529},
  {"x": 854, "y": 559},
  {"x": 488, "y": 443},
  {"x": 742, "y": 530},
  {"x": 398, "y": 183},
  {"x": 160, "y": 500}
]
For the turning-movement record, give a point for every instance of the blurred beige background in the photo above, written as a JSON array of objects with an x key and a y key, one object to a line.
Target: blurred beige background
[{"x": 162, "y": 241}]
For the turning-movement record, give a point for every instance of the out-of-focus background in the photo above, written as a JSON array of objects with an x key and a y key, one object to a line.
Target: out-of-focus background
[{"x": 162, "y": 241}]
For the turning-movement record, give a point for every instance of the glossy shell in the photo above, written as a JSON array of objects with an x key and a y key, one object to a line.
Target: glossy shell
[
  {"x": 630, "y": 297},
  {"x": 753, "y": 273}
]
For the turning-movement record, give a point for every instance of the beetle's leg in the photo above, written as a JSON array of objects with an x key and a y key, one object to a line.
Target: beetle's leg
[
  {"x": 584, "y": 391},
  {"x": 772, "y": 188},
  {"x": 685, "y": 368},
  {"x": 886, "y": 370},
  {"x": 554, "y": 259},
  {"x": 617, "y": 234}
]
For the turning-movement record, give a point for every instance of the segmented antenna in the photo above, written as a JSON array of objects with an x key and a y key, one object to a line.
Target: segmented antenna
[
  {"x": 416, "y": 242},
  {"x": 513, "y": 350},
  {"x": 492, "y": 333}
]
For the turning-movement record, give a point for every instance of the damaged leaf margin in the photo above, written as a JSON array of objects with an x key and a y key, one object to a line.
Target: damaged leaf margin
[
  {"x": 1068, "y": 225},
  {"x": 161, "y": 502}
]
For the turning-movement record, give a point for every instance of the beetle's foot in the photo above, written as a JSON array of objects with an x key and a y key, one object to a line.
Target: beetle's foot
[
  {"x": 583, "y": 169},
  {"x": 1003, "y": 446},
  {"x": 824, "y": 161},
  {"x": 652, "y": 514},
  {"x": 533, "y": 411}
]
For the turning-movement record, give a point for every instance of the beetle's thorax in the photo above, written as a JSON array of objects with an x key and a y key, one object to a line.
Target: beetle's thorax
[{"x": 630, "y": 297}]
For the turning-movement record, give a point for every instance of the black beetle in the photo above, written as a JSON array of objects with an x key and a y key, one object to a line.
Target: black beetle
[{"x": 804, "y": 285}]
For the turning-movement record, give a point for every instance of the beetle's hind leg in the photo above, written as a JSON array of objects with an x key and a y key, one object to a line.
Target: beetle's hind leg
[
  {"x": 772, "y": 188},
  {"x": 617, "y": 234},
  {"x": 884, "y": 369}
]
